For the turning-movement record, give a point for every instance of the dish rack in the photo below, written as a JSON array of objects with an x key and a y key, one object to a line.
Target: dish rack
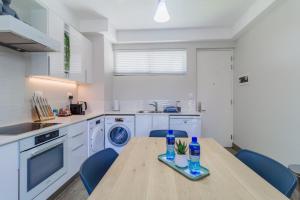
[{"x": 41, "y": 110}]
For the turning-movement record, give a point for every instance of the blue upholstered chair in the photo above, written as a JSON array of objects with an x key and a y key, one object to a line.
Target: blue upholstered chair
[
  {"x": 95, "y": 167},
  {"x": 272, "y": 171},
  {"x": 163, "y": 133}
]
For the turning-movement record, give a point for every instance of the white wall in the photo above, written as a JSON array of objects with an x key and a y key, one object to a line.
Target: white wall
[
  {"x": 16, "y": 90},
  {"x": 108, "y": 74},
  {"x": 94, "y": 94},
  {"x": 99, "y": 94},
  {"x": 266, "y": 112},
  {"x": 13, "y": 105},
  {"x": 135, "y": 92}
]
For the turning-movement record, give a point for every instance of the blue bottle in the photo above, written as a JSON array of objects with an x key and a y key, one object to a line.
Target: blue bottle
[
  {"x": 170, "y": 138},
  {"x": 194, "y": 164}
]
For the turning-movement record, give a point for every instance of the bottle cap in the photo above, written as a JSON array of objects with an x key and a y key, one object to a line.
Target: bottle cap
[
  {"x": 170, "y": 132},
  {"x": 194, "y": 139}
]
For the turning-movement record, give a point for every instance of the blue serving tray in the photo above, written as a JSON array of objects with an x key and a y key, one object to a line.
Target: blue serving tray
[{"x": 204, "y": 172}]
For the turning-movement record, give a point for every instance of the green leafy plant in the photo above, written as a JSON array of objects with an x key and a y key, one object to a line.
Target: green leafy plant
[
  {"x": 181, "y": 147},
  {"x": 67, "y": 52}
]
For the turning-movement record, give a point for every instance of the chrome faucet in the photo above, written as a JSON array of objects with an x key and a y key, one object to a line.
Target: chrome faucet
[{"x": 155, "y": 105}]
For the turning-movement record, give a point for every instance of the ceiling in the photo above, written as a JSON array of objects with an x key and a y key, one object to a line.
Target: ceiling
[{"x": 138, "y": 14}]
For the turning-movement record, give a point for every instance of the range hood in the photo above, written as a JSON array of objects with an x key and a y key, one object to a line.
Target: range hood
[{"x": 19, "y": 36}]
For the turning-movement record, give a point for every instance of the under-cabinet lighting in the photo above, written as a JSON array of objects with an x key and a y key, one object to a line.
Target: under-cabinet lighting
[{"x": 53, "y": 81}]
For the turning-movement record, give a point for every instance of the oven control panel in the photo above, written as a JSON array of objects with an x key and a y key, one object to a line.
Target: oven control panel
[
  {"x": 46, "y": 137},
  {"x": 31, "y": 142}
]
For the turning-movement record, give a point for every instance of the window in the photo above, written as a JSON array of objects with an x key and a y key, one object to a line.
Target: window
[{"x": 143, "y": 62}]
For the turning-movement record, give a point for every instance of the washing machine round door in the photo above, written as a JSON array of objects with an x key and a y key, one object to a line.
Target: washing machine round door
[
  {"x": 97, "y": 139},
  {"x": 119, "y": 135}
]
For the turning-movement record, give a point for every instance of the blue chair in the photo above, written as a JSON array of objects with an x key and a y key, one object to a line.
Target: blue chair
[
  {"x": 95, "y": 167},
  {"x": 163, "y": 133},
  {"x": 272, "y": 171}
]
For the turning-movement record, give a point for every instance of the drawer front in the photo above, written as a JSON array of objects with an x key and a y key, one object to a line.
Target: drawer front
[
  {"x": 78, "y": 139},
  {"x": 77, "y": 156},
  {"x": 77, "y": 129}
]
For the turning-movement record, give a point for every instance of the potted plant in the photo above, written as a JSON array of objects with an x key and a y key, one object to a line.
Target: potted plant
[{"x": 181, "y": 158}]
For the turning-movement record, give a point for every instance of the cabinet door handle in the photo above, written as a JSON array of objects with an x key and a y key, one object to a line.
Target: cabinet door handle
[
  {"x": 77, "y": 135},
  {"x": 76, "y": 148}
]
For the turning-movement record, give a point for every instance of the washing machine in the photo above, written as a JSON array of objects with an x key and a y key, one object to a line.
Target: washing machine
[
  {"x": 96, "y": 135},
  {"x": 118, "y": 131}
]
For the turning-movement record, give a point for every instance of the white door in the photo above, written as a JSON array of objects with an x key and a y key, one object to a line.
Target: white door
[{"x": 215, "y": 93}]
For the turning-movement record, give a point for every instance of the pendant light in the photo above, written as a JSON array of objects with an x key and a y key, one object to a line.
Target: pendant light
[{"x": 162, "y": 13}]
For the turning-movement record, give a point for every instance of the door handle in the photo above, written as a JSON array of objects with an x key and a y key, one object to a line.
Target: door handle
[{"x": 200, "y": 107}]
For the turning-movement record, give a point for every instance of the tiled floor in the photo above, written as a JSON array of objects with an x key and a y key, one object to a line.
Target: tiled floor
[{"x": 76, "y": 191}]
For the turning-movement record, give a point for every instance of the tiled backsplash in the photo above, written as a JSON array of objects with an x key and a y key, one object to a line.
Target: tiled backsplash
[
  {"x": 16, "y": 90},
  {"x": 13, "y": 106}
]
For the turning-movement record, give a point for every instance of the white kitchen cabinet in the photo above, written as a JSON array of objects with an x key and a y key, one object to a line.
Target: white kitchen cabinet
[
  {"x": 9, "y": 167},
  {"x": 190, "y": 124},
  {"x": 143, "y": 125},
  {"x": 50, "y": 64},
  {"x": 160, "y": 122},
  {"x": 81, "y": 57},
  {"x": 53, "y": 64},
  {"x": 77, "y": 147},
  {"x": 146, "y": 123}
]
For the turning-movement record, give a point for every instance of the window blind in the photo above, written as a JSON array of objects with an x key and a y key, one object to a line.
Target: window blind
[{"x": 134, "y": 62}]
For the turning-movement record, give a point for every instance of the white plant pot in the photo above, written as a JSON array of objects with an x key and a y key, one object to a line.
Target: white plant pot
[{"x": 181, "y": 161}]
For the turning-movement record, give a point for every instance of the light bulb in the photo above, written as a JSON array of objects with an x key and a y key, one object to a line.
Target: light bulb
[{"x": 162, "y": 13}]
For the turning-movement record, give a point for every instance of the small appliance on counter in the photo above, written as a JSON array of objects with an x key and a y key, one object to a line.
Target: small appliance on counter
[
  {"x": 116, "y": 105},
  {"x": 79, "y": 108}
]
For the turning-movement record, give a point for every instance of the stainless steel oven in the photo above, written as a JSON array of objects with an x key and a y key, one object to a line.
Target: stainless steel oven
[{"x": 43, "y": 161}]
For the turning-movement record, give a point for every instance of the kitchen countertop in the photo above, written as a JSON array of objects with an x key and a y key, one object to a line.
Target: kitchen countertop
[
  {"x": 66, "y": 121},
  {"x": 63, "y": 121}
]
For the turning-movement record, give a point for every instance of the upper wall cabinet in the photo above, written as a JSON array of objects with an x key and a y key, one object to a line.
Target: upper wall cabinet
[
  {"x": 72, "y": 62},
  {"x": 27, "y": 34},
  {"x": 50, "y": 64},
  {"x": 80, "y": 60}
]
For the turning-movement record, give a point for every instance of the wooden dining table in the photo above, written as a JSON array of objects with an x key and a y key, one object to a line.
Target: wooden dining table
[{"x": 137, "y": 174}]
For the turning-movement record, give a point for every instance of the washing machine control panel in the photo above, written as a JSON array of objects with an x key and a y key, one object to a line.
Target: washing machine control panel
[{"x": 119, "y": 119}]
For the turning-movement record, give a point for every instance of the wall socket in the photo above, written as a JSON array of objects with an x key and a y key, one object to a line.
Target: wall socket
[
  {"x": 243, "y": 80},
  {"x": 38, "y": 93}
]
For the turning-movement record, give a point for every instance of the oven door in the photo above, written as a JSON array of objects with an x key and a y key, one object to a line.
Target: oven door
[{"x": 41, "y": 167}]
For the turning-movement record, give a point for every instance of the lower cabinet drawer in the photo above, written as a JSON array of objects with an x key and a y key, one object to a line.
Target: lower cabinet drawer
[
  {"x": 77, "y": 147},
  {"x": 77, "y": 140},
  {"x": 76, "y": 157}
]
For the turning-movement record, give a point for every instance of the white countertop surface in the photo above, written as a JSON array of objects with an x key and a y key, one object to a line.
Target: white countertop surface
[
  {"x": 63, "y": 121},
  {"x": 66, "y": 121}
]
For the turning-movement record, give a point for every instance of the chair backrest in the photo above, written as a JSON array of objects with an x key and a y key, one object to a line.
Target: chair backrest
[
  {"x": 272, "y": 171},
  {"x": 95, "y": 167},
  {"x": 163, "y": 133}
]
